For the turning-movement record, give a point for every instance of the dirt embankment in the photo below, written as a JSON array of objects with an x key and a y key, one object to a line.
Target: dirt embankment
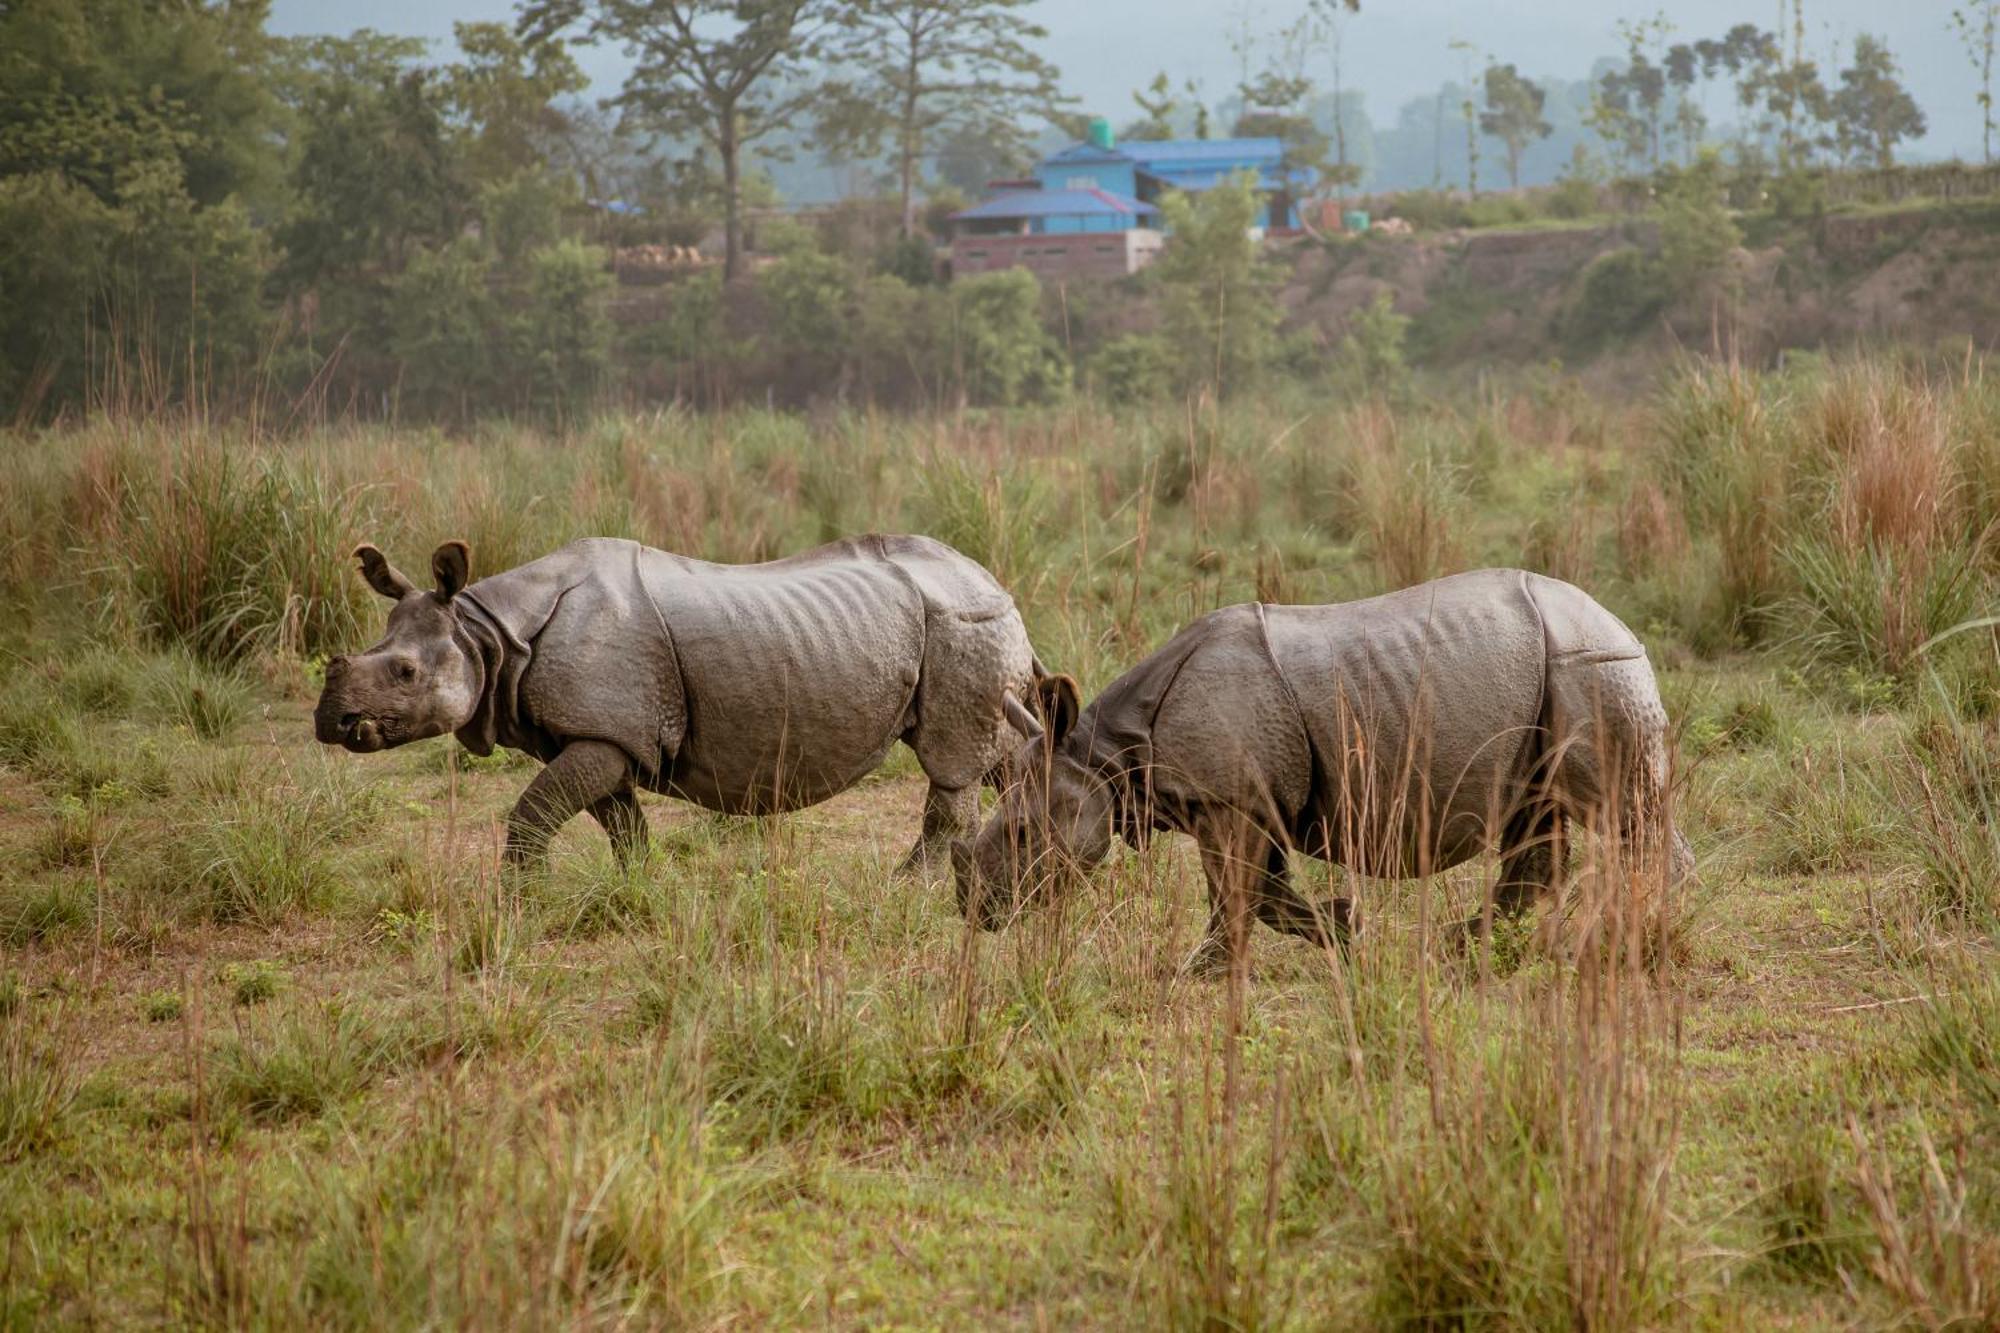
[{"x": 1918, "y": 274}]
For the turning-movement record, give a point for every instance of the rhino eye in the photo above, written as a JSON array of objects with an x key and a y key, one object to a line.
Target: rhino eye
[{"x": 406, "y": 671}]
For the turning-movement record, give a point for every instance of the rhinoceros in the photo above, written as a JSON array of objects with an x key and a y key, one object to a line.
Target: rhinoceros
[
  {"x": 1396, "y": 736},
  {"x": 741, "y": 688}
]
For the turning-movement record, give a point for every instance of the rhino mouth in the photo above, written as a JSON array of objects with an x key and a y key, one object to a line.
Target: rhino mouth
[{"x": 353, "y": 731}]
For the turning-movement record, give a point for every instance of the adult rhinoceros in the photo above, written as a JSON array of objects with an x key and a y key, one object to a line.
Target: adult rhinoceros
[
  {"x": 742, "y": 688},
  {"x": 1396, "y": 736}
]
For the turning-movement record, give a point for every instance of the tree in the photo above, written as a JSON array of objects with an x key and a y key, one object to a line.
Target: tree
[
  {"x": 505, "y": 95},
  {"x": 565, "y": 331},
  {"x": 1977, "y": 24},
  {"x": 1218, "y": 308},
  {"x": 1793, "y": 94},
  {"x": 728, "y": 71},
  {"x": 1746, "y": 52},
  {"x": 1003, "y": 352},
  {"x": 1276, "y": 104},
  {"x": 1872, "y": 109},
  {"x": 1513, "y": 115},
  {"x": 1158, "y": 103},
  {"x": 1627, "y": 107},
  {"x": 929, "y": 67},
  {"x": 135, "y": 142},
  {"x": 1684, "y": 69},
  {"x": 1697, "y": 234},
  {"x": 373, "y": 176},
  {"x": 442, "y": 324},
  {"x": 1331, "y": 13}
]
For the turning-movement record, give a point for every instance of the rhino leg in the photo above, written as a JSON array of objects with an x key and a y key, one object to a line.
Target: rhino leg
[
  {"x": 1280, "y": 907},
  {"x": 1266, "y": 893},
  {"x": 585, "y": 773},
  {"x": 624, "y": 823},
  {"x": 1533, "y": 852},
  {"x": 948, "y": 813}
]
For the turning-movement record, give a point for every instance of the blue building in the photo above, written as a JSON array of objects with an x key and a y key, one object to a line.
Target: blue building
[{"x": 1100, "y": 186}]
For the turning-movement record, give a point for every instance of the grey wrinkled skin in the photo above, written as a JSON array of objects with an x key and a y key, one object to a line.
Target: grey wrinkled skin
[
  {"x": 1395, "y": 736},
  {"x": 742, "y": 688}
]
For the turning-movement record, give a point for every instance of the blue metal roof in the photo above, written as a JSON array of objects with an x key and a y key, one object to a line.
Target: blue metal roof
[
  {"x": 1054, "y": 203},
  {"x": 1088, "y": 152},
  {"x": 1193, "y": 154}
]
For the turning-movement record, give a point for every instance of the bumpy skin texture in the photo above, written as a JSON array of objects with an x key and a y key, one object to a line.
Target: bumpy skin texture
[
  {"x": 741, "y": 688},
  {"x": 1396, "y": 736}
]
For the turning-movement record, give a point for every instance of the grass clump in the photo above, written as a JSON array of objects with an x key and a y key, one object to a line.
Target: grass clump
[
  {"x": 1937, "y": 1256},
  {"x": 38, "y": 1083},
  {"x": 37, "y": 911},
  {"x": 262, "y": 856},
  {"x": 1813, "y": 1227},
  {"x": 302, "y": 1065},
  {"x": 253, "y": 982}
]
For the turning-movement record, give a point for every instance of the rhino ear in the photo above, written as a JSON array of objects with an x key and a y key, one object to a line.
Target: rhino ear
[
  {"x": 382, "y": 576},
  {"x": 1059, "y": 702},
  {"x": 451, "y": 566}
]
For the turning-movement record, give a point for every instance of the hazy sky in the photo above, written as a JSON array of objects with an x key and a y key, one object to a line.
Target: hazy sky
[{"x": 1396, "y": 49}]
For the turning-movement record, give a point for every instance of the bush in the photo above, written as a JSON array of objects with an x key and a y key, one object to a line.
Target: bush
[
  {"x": 444, "y": 329},
  {"x": 1370, "y": 360},
  {"x": 1220, "y": 314},
  {"x": 1135, "y": 368},
  {"x": 1697, "y": 234},
  {"x": 810, "y": 296},
  {"x": 1003, "y": 355},
  {"x": 564, "y": 331},
  {"x": 1617, "y": 295}
]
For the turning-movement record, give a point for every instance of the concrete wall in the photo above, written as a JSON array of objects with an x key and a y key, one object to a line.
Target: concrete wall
[{"x": 1058, "y": 258}]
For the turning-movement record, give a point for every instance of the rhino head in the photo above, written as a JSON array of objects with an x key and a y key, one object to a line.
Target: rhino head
[
  {"x": 1053, "y": 820},
  {"x": 423, "y": 679}
]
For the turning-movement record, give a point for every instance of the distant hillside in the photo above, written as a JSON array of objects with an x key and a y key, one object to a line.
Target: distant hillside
[{"x": 1921, "y": 273}]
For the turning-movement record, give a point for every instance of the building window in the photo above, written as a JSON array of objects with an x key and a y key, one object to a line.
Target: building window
[{"x": 1080, "y": 182}]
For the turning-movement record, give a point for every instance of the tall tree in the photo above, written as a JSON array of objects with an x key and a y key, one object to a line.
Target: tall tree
[
  {"x": 1218, "y": 308},
  {"x": 1793, "y": 94},
  {"x": 728, "y": 71},
  {"x": 1977, "y": 24},
  {"x": 1745, "y": 53},
  {"x": 1513, "y": 115},
  {"x": 929, "y": 68},
  {"x": 1684, "y": 70},
  {"x": 1332, "y": 14},
  {"x": 507, "y": 94},
  {"x": 1872, "y": 110},
  {"x": 1276, "y": 104},
  {"x": 1628, "y": 104},
  {"x": 1467, "y": 112},
  {"x": 1158, "y": 104}
]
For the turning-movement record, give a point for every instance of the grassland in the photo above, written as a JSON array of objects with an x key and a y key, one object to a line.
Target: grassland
[{"x": 280, "y": 1045}]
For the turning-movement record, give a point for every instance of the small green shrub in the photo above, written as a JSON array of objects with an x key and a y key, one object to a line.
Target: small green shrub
[
  {"x": 253, "y": 982},
  {"x": 162, "y": 1006}
]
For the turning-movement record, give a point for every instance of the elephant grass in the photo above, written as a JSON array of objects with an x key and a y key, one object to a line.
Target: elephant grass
[{"x": 761, "y": 1079}]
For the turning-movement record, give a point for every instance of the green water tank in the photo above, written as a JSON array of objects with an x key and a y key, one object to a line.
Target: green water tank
[{"x": 1100, "y": 133}]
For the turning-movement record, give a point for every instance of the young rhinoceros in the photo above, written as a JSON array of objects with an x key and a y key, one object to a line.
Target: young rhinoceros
[
  {"x": 1396, "y": 736},
  {"x": 742, "y": 688}
]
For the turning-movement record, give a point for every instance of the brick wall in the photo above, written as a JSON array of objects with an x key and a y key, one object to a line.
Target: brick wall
[{"x": 1064, "y": 258}]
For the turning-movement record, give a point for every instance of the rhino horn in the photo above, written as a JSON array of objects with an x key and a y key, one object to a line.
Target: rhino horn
[{"x": 1022, "y": 720}]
